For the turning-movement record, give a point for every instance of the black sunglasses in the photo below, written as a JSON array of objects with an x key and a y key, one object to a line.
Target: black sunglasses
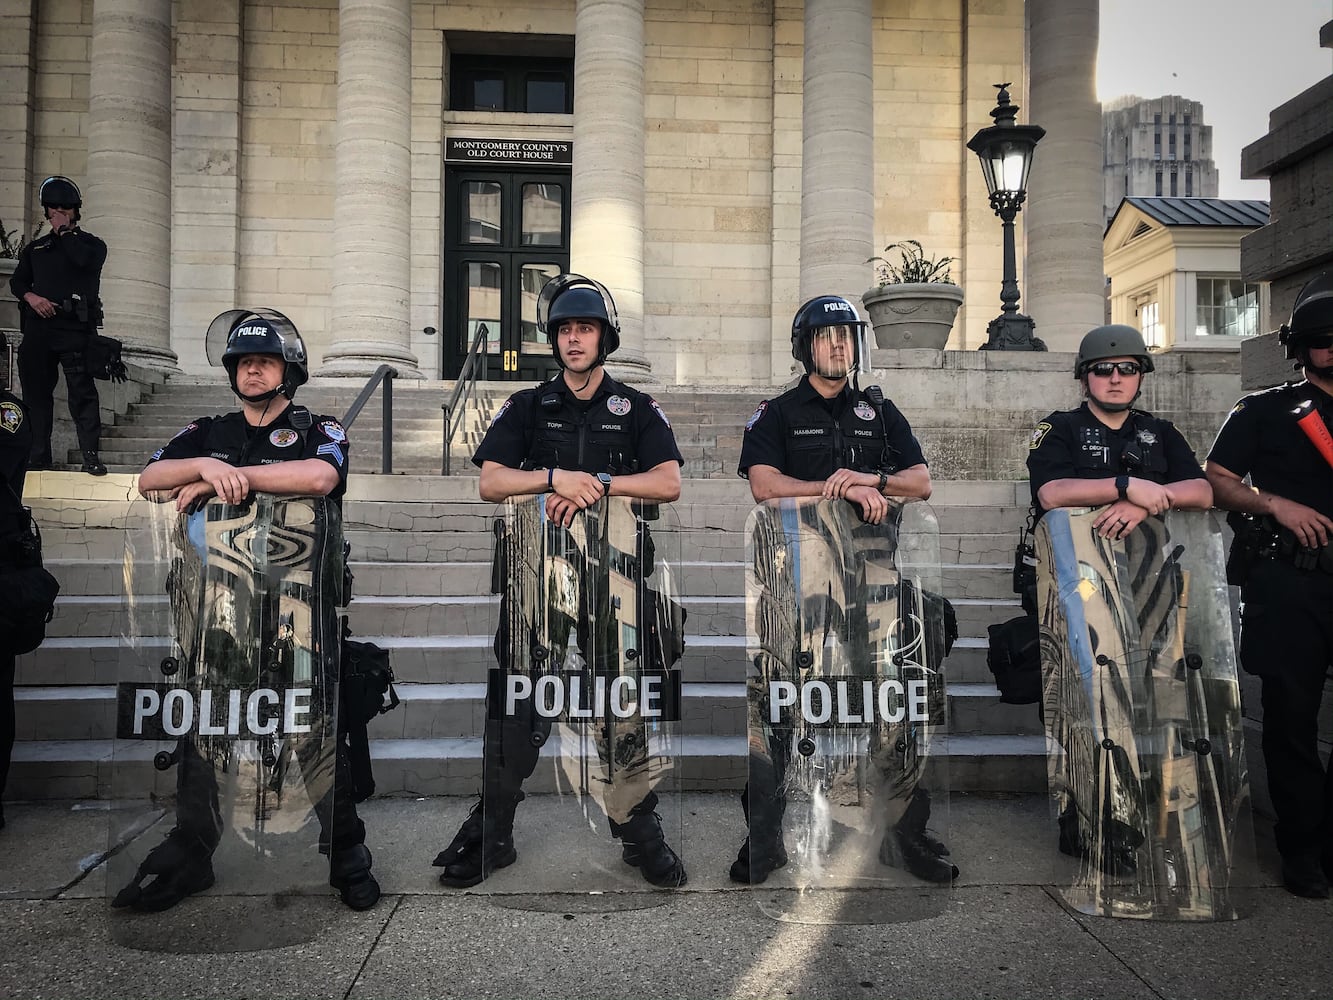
[
  {"x": 63, "y": 208},
  {"x": 1322, "y": 342},
  {"x": 1103, "y": 369}
]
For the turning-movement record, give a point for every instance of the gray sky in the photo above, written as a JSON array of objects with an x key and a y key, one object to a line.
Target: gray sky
[{"x": 1240, "y": 58}]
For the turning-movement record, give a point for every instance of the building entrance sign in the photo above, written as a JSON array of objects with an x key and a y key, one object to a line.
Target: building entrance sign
[{"x": 530, "y": 152}]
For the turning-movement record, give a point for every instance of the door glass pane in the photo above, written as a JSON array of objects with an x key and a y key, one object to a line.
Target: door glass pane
[
  {"x": 545, "y": 94},
  {"x": 482, "y": 209},
  {"x": 542, "y": 213},
  {"x": 531, "y": 280},
  {"x": 483, "y": 305}
]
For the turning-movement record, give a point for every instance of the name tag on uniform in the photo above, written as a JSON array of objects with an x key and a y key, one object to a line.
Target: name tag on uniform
[{"x": 809, "y": 432}]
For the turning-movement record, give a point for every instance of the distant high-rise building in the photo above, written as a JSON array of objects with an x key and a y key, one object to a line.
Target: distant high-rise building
[{"x": 1156, "y": 148}]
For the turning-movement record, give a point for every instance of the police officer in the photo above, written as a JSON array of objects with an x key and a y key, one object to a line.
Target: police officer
[
  {"x": 1107, "y": 454},
  {"x": 270, "y": 446},
  {"x": 579, "y": 437},
  {"x": 828, "y": 438},
  {"x": 1282, "y": 555},
  {"x": 15, "y": 444},
  {"x": 57, "y": 282}
]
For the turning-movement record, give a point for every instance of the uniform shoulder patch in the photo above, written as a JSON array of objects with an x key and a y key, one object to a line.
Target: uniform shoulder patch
[
  {"x": 659, "y": 411},
  {"x": 333, "y": 430},
  {"x": 1038, "y": 435},
  {"x": 504, "y": 408},
  {"x": 757, "y": 415},
  {"x": 11, "y": 417}
]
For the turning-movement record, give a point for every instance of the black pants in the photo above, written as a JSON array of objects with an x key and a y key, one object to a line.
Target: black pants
[
  {"x": 6, "y": 717},
  {"x": 41, "y": 356},
  {"x": 1287, "y": 640},
  {"x": 198, "y": 813}
]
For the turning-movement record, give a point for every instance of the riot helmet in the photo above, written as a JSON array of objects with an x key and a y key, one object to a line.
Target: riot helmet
[
  {"x": 1114, "y": 341},
  {"x": 58, "y": 191},
  {"x": 1311, "y": 318},
  {"x": 237, "y": 332},
  {"x": 828, "y": 311},
  {"x": 572, "y": 296}
]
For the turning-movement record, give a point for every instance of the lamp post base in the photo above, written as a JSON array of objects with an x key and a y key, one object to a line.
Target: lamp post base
[{"x": 1012, "y": 332}]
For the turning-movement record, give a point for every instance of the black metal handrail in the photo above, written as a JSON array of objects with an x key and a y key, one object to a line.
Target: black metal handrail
[
  {"x": 474, "y": 368},
  {"x": 385, "y": 374}
]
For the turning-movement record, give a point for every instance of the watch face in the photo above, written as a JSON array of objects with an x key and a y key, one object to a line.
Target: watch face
[{"x": 604, "y": 478}]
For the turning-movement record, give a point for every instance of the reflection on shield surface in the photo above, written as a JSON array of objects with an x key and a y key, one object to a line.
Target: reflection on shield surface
[
  {"x": 846, "y": 643},
  {"x": 225, "y": 743},
  {"x": 583, "y": 705},
  {"x": 1146, "y": 757}
]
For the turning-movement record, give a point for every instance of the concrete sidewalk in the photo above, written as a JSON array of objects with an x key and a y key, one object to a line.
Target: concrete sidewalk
[{"x": 1003, "y": 931}]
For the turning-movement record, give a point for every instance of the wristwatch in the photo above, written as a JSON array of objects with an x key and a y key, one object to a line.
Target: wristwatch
[
  {"x": 605, "y": 479},
  {"x": 883, "y": 480},
  {"x": 1122, "y": 487},
  {"x": 550, "y": 480}
]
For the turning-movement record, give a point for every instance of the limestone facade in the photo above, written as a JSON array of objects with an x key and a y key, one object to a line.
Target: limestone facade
[{"x": 261, "y": 208}]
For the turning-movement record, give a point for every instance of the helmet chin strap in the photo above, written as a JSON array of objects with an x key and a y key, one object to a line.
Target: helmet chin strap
[{"x": 262, "y": 397}]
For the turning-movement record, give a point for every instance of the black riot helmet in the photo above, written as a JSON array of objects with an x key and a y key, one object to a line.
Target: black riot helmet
[
  {"x": 238, "y": 332},
  {"x": 572, "y": 296},
  {"x": 825, "y": 311},
  {"x": 59, "y": 191},
  {"x": 1311, "y": 317}
]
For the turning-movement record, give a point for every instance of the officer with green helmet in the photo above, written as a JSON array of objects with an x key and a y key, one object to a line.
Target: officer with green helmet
[{"x": 1127, "y": 462}]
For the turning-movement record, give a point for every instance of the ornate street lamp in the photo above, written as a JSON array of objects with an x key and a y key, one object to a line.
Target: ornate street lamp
[{"x": 1005, "y": 150}]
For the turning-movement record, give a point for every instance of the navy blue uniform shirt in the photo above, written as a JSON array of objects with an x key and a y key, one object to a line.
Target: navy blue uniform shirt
[
  {"x": 230, "y": 439},
  {"x": 620, "y": 431},
  {"x": 808, "y": 437}
]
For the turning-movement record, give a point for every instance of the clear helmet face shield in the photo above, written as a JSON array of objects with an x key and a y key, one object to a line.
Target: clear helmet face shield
[
  {"x": 854, "y": 357},
  {"x": 561, "y": 283},
  {"x": 219, "y": 334}
]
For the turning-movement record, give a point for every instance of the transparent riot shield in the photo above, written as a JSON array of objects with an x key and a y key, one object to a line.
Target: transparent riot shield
[
  {"x": 226, "y": 729},
  {"x": 846, "y": 695},
  {"x": 580, "y": 786},
  {"x": 1146, "y": 757}
]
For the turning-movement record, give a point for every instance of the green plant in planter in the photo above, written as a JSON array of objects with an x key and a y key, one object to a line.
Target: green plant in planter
[
  {"x": 915, "y": 267},
  {"x": 12, "y": 241}
]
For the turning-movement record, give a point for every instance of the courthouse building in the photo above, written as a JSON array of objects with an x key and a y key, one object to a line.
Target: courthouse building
[{"x": 400, "y": 177}]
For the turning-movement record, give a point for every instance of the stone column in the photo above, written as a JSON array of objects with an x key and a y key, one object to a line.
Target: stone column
[
  {"x": 206, "y": 185},
  {"x": 18, "y": 84},
  {"x": 127, "y": 197},
  {"x": 1065, "y": 290},
  {"x": 837, "y": 150},
  {"x": 606, "y": 203},
  {"x": 372, "y": 190}
]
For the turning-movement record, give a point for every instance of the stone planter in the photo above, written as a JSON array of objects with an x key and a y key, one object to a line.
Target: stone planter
[{"x": 913, "y": 315}]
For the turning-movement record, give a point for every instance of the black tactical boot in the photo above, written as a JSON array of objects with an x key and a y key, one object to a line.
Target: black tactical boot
[
  {"x": 1303, "y": 876},
  {"x": 754, "y": 868},
  {"x": 484, "y": 843},
  {"x": 182, "y": 864},
  {"x": 1117, "y": 858},
  {"x": 92, "y": 464},
  {"x": 468, "y": 835},
  {"x": 645, "y": 848},
  {"x": 349, "y": 873},
  {"x": 911, "y": 851}
]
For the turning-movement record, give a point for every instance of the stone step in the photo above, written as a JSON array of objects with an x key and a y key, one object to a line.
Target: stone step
[
  {"x": 81, "y": 769},
  {"x": 459, "y": 659},
  {"x": 104, "y": 577}
]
